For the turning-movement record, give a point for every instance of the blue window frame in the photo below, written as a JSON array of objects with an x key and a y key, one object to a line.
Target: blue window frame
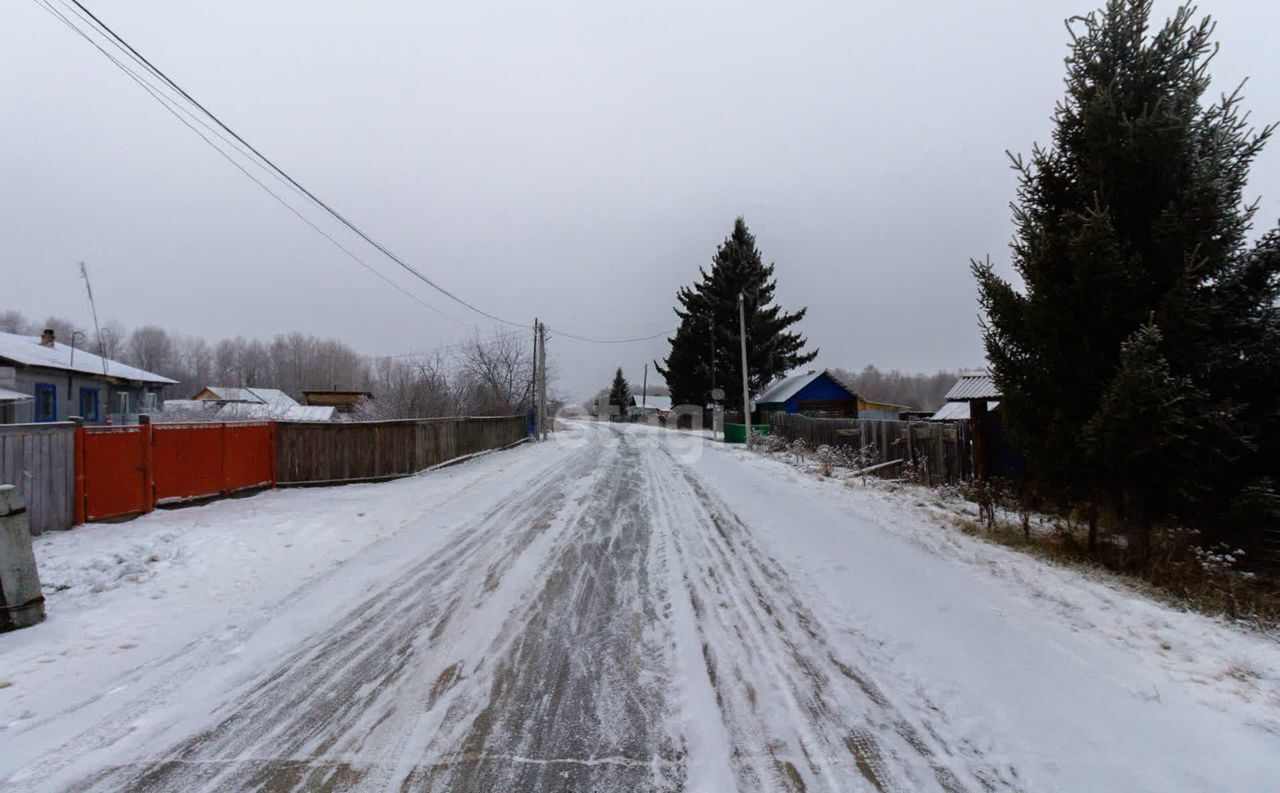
[
  {"x": 89, "y": 404},
  {"x": 46, "y": 408}
]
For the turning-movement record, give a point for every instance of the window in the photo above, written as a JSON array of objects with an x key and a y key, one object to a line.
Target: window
[
  {"x": 124, "y": 403},
  {"x": 89, "y": 404},
  {"x": 46, "y": 402}
]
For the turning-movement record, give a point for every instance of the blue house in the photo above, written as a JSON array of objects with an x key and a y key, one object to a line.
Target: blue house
[{"x": 812, "y": 394}]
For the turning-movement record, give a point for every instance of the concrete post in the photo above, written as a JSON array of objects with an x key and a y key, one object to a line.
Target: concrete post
[{"x": 21, "y": 604}]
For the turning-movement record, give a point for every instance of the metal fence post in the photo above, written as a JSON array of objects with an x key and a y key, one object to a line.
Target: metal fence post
[{"x": 148, "y": 474}]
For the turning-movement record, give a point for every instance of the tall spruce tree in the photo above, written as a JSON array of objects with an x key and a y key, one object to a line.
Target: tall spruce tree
[
  {"x": 1139, "y": 363},
  {"x": 706, "y": 352},
  {"x": 620, "y": 393}
]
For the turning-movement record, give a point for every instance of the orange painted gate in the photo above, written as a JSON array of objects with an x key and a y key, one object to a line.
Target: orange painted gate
[
  {"x": 123, "y": 471},
  {"x": 111, "y": 472}
]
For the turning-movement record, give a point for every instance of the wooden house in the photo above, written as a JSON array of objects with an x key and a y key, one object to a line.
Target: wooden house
[
  {"x": 343, "y": 401},
  {"x": 46, "y": 380}
]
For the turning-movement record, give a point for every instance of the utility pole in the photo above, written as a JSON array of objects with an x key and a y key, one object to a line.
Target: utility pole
[
  {"x": 746, "y": 390},
  {"x": 711, "y": 332},
  {"x": 102, "y": 350},
  {"x": 542, "y": 380},
  {"x": 644, "y": 390},
  {"x": 533, "y": 386}
]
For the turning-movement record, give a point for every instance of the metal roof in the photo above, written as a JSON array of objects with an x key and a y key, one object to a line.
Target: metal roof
[
  {"x": 257, "y": 411},
  {"x": 788, "y": 387},
  {"x": 261, "y": 396},
  {"x": 13, "y": 396},
  {"x": 953, "y": 411},
  {"x": 28, "y": 351},
  {"x": 973, "y": 385}
]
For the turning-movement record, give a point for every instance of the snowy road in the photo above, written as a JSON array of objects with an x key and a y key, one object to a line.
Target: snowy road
[{"x": 626, "y": 610}]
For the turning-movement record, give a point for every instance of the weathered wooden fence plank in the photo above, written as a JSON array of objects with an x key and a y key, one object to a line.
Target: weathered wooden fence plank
[
  {"x": 939, "y": 451},
  {"x": 38, "y": 460},
  {"x": 324, "y": 452}
]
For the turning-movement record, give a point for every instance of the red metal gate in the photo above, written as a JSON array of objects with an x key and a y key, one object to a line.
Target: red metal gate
[
  {"x": 123, "y": 471},
  {"x": 115, "y": 479}
]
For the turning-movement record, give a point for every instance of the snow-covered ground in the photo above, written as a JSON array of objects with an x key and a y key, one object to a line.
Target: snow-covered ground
[{"x": 622, "y": 609}]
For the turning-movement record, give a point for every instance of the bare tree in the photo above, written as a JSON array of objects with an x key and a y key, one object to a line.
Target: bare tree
[
  {"x": 150, "y": 348},
  {"x": 15, "y": 322},
  {"x": 225, "y": 363},
  {"x": 111, "y": 339},
  {"x": 919, "y": 391},
  {"x": 497, "y": 374}
]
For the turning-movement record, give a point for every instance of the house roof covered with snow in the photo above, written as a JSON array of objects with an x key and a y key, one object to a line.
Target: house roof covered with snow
[
  {"x": 973, "y": 385},
  {"x": 652, "y": 401},
  {"x": 249, "y": 411},
  {"x": 954, "y": 411},
  {"x": 28, "y": 351},
  {"x": 7, "y": 396},
  {"x": 250, "y": 394},
  {"x": 788, "y": 387}
]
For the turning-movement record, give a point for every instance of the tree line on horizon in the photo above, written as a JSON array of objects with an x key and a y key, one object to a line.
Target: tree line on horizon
[{"x": 481, "y": 376}]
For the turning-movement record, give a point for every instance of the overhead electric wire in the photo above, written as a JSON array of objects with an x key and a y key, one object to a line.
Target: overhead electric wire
[
  {"x": 174, "y": 109},
  {"x": 563, "y": 334},
  {"x": 511, "y": 334},
  {"x": 270, "y": 166},
  {"x": 90, "y": 21},
  {"x": 339, "y": 216}
]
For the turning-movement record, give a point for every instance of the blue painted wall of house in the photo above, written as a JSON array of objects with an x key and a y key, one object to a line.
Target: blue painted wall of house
[{"x": 823, "y": 387}]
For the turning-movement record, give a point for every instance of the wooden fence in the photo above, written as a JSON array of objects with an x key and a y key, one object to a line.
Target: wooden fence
[
  {"x": 39, "y": 460},
  {"x": 314, "y": 453},
  {"x": 69, "y": 475},
  {"x": 941, "y": 450}
]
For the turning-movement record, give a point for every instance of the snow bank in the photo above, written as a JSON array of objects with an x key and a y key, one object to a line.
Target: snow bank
[{"x": 1079, "y": 680}]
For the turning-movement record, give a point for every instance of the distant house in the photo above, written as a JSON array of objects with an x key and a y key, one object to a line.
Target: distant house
[
  {"x": 881, "y": 411},
  {"x": 344, "y": 401},
  {"x": 650, "y": 406},
  {"x": 54, "y": 382},
  {"x": 815, "y": 394},
  {"x": 247, "y": 395},
  {"x": 823, "y": 395}
]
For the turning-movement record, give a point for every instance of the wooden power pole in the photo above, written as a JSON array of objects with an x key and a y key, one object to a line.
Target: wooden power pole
[
  {"x": 746, "y": 389},
  {"x": 534, "y": 402},
  {"x": 542, "y": 381},
  {"x": 644, "y": 391}
]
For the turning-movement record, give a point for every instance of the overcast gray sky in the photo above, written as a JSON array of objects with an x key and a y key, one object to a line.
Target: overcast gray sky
[{"x": 572, "y": 160}]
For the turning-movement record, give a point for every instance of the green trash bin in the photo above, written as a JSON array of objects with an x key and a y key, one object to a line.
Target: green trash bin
[{"x": 737, "y": 433}]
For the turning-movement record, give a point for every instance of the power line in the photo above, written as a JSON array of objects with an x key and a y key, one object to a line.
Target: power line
[
  {"x": 565, "y": 335},
  {"x": 454, "y": 346},
  {"x": 341, "y": 218},
  {"x": 174, "y": 109},
  {"x": 271, "y": 167}
]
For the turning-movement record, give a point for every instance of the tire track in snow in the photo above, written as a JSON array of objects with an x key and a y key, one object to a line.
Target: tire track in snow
[
  {"x": 342, "y": 710},
  {"x": 612, "y": 627},
  {"x": 799, "y": 718},
  {"x": 576, "y": 696}
]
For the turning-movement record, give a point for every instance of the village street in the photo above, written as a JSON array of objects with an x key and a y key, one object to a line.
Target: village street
[{"x": 620, "y": 609}]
